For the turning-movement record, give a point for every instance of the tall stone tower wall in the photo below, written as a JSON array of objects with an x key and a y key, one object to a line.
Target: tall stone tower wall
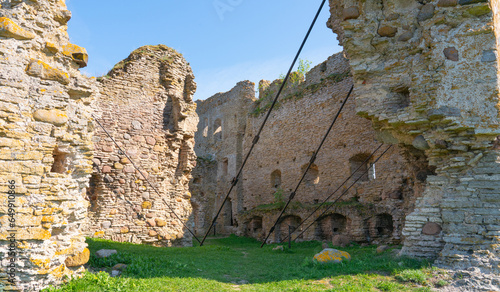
[
  {"x": 45, "y": 146},
  {"x": 146, "y": 106},
  {"x": 425, "y": 73},
  {"x": 219, "y": 148}
]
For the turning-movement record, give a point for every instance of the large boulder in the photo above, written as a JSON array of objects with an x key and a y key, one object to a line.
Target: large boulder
[{"x": 330, "y": 255}]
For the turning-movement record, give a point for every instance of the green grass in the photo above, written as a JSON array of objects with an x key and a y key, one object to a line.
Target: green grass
[{"x": 239, "y": 264}]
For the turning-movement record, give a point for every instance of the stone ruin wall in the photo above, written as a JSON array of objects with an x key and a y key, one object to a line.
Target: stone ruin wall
[
  {"x": 45, "y": 145},
  {"x": 219, "y": 147},
  {"x": 146, "y": 106},
  {"x": 425, "y": 73},
  {"x": 47, "y": 151},
  {"x": 372, "y": 211}
]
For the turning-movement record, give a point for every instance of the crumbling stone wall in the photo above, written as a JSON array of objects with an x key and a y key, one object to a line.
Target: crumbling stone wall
[
  {"x": 146, "y": 106},
  {"x": 45, "y": 146},
  {"x": 219, "y": 148},
  {"x": 372, "y": 211},
  {"x": 425, "y": 73}
]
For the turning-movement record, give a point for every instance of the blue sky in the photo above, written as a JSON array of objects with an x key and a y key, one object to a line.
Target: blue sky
[{"x": 225, "y": 41}]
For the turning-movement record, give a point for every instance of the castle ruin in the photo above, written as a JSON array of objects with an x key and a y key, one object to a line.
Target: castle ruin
[
  {"x": 373, "y": 211},
  {"x": 425, "y": 76}
]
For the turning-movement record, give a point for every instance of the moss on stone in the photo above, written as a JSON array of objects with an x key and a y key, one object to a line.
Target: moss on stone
[{"x": 479, "y": 10}]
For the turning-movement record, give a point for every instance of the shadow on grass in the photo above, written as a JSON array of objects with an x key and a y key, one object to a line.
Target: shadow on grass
[{"x": 241, "y": 260}]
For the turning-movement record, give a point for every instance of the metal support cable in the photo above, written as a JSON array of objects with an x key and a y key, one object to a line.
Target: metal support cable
[
  {"x": 311, "y": 161},
  {"x": 142, "y": 174},
  {"x": 341, "y": 185},
  {"x": 257, "y": 137},
  {"x": 345, "y": 192}
]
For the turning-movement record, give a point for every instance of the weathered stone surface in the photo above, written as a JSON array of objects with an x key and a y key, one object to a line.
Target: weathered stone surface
[
  {"x": 104, "y": 253},
  {"x": 151, "y": 140},
  {"x": 426, "y": 12},
  {"x": 431, "y": 228},
  {"x": 451, "y": 53},
  {"x": 405, "y": 36},
  {"x": 392, "y": 16},
  {"x": 479, "y": 10},
  {"x": 53, "y": 116},
  {"x": 147, "y": 103},
  {"x": 341, "y": 240},
  {"x": 129, "y": 169},
  {"x": 44, "y": 71},
  {"x": 160, "y": 222},
  {"x": 445, "y": 111},
  {"x": 119, "y": 267},
  {"x": 46, "y": 145},
  {"x": 108, "y": 179},
  {"x": 382, "y": 248},
  {"x": 351, "y": 13},
  {"x": 151, "y": 222},
  {"x": 10, "y": 29},
  {"x": 62, "y": 16},
  {"x": 77, "y": 53},
  {"x": 387, "y": 31},
  {"x": 468, "y": 2},
  {"x": 330, "y": 255},
  {"x": 146, "y": 205},
  {"x": 489, "y": 56},
  {"x": 451, "y": 93},
  {"x": 420, "y": 143},
  {"x": 447, "y": 3},
  {"x": 136, "y": 125},
  {"x": 78, "y": 259}
]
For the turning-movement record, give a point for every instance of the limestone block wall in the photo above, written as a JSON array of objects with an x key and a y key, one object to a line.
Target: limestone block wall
[
  {"x": 372, "y": 211},
  {"x": 146, "y": 106},
  {"x": 45, "y": 146},
  {"x": 426, "y": 74}
]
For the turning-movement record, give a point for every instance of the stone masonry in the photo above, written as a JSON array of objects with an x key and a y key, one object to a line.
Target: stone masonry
[
  {"x": 45, "y": 146},
  {"x": 426, "y": 74},
  {"x": 373, "y": 211},
  {"x": 146, "y": 106},
  {"x": 425, "y": 77},
  {"x": 219, "y": 150}
]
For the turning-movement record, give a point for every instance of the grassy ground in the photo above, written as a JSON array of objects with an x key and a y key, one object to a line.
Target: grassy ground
[{"x": 239, "y": 264}]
